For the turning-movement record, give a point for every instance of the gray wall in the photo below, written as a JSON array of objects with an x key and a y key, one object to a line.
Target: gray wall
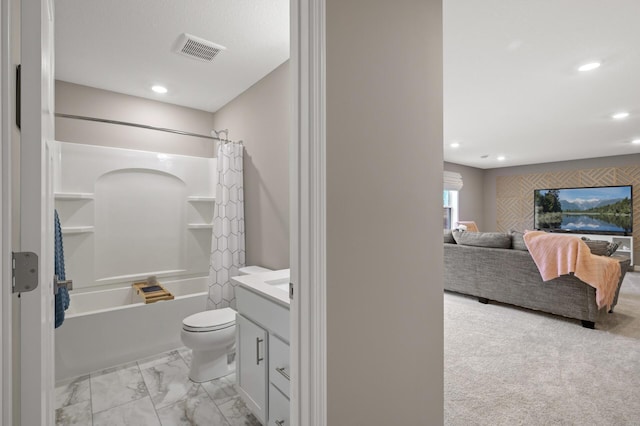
[
  {"x": 384, "y": 250},
  {"x": 471, "y": 196},
  {"x": 260, "y": 117},
  {"x": 88, "y": 101},
  {"x": 490, "y": 175}
]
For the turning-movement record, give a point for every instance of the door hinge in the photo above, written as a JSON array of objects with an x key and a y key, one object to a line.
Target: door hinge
[
  {"x": 25, "y": 271},
  {"x": 291, "y": 291}
]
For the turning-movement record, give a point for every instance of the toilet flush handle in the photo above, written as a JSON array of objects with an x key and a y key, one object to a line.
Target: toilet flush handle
[{"x": 258, "y": 357}]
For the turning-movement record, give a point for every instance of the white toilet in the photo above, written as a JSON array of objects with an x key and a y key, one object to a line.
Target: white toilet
[{"x": 211, "y": 335}]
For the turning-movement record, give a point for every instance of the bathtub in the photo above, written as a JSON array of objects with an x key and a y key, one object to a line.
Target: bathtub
[{"x": 106, "y": 328}]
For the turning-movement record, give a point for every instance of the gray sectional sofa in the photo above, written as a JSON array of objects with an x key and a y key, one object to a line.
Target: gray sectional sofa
[{"x": 510, "y": 276}]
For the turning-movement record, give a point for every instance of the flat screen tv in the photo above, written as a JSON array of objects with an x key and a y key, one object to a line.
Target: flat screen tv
[{"x": 601, "y": 210}]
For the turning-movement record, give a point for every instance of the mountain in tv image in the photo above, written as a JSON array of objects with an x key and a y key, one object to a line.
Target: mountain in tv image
[{"x": 578, "y": 205}]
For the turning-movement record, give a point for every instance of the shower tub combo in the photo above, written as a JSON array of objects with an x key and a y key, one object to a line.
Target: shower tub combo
[{"x": 127, "y": 215}]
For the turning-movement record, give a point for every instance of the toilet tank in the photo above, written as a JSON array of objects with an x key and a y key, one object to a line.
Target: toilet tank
[{"x": 249, "y": 270}]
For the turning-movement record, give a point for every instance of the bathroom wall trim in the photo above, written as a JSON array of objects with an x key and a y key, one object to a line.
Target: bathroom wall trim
[{"x": 307, "y": 216}]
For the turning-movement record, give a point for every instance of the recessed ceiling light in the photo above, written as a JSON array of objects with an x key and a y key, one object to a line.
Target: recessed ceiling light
[
  {"x": 620, "y": 115},
  {"x": 501, "y": 158},
  {"x": 454, "y": 144},
  {"x": 159, "y": 89},
  {"x": 589, "y": 67},
  {"x": 636, "y": 141}
]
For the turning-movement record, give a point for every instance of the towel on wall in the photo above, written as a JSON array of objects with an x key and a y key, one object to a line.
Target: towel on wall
[{"x": 62, "y": 299}]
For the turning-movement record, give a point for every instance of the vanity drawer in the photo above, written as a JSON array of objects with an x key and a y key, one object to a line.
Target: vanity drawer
[
  {"x": 266, "y": 313},
  {"x": 278, "y": 408},
  {"x": 279, "y": 364}
]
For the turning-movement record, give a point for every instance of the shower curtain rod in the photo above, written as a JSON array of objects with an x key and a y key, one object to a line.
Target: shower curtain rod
[{"x": 141, "y": 126}]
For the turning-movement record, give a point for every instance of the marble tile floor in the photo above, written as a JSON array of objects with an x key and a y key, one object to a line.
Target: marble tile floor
[{"x": 150, "y": 392}]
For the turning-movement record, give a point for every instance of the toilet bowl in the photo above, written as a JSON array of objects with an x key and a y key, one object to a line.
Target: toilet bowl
[{"x": 211, "y": 336}]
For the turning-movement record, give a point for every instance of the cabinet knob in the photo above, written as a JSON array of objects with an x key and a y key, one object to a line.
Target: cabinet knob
[{"x": 280, "y": 422}]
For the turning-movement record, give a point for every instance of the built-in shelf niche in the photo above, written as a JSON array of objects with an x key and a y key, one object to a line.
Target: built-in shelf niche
[
  {"x": 203, "y": 199},
  {"x": 77, "y": 229},
  {"x": 200, "y": 225},
  {"x": 70, "y": 196}
]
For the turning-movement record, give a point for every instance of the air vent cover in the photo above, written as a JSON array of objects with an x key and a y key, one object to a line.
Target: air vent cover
[{"x": 198, "y": 48}]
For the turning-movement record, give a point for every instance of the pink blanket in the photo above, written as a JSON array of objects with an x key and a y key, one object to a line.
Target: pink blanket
[{"x": 557, "y": 255}]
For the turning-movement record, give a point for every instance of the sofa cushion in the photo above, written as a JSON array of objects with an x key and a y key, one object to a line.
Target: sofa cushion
[
  {"x": 483, "y": 239},
  {"x": 517, "y": 240},
  {"x": 448, "y": 237}
]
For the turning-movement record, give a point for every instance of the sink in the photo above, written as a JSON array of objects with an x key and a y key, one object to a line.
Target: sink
[
  {"x": 273, "y": 285},
  {"x": 281, "y": 283}
]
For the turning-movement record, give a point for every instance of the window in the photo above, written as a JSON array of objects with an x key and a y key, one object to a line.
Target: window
[{"x": 450, "y": 204}]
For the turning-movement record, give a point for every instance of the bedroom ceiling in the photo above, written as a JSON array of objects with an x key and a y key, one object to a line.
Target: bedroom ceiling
[
  {"x": 511, "y": 85},
  {"x": 126, "y": 46}
]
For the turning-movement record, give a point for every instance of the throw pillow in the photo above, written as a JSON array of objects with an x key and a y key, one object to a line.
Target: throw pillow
[
  {"x": 483, "y": 239},
  {"x": 517, "y": 240},
  {"x": 448, "y": 237},
  {"x": 611, "y": 248}
]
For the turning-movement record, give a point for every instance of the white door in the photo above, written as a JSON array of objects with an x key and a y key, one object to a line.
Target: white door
[
  {"x": 36, "y": 212},
  {"x": 6, "y": 417}
]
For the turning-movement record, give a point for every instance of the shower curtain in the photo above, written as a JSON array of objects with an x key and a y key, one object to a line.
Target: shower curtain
[{"x": 227, "y": 240}]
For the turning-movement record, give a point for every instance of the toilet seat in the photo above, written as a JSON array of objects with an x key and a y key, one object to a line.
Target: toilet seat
[{"x": 216, "y": 319}]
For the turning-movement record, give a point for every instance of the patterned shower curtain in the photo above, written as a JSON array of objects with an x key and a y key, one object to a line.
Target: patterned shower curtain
[{"x": 227, "y": 241}]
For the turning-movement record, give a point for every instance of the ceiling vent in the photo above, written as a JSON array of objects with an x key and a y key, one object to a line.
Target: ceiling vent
[{"x": 198, "y": 48}]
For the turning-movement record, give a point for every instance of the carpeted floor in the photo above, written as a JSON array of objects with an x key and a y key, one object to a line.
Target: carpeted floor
[{"x": 511, "y": 366}]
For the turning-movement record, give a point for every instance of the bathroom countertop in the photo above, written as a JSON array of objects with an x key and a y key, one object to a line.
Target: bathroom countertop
[{"x": 272, "y": 285}]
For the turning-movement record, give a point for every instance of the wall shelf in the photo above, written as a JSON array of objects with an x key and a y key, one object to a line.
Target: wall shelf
[
  {"x": 200, "y": 225},
  {"x": 77, "y": 229},
  {"x": 197, "y": 198},
  {"x": 73, "y": 196}
]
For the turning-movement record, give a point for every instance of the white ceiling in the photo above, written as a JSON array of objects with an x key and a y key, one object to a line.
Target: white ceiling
[
  {"x": 510, "y": 82},
  {"x": 126, "y": 46},
  {"x": 511, "y": 86}
]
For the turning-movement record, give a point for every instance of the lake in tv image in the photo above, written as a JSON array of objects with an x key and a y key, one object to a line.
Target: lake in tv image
[{"x": 595, "y": 210}]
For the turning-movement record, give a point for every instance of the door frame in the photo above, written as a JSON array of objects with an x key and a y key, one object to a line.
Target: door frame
[
  {"x": 307, "y": 213},
  {"x": 36, "y": 374},
  {"x": 6, "y": 299},
  {"x": 307, "y": 208}
]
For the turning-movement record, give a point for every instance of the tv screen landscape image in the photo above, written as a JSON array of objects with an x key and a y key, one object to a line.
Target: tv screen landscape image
[{"x": 601, "y": 210}]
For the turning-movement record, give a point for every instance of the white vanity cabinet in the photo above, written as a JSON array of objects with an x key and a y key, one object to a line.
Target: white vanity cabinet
[
  {"x": 262, "y": 351},
  {"x": 251, "y": 374},
  {"x": 278, "y": 407}
]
